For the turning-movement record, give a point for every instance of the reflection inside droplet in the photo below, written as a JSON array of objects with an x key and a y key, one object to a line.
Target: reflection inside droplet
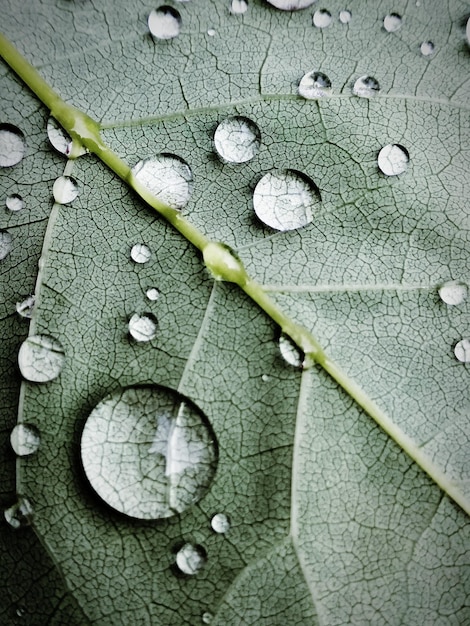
[
  {"x": 41, "y": 358},
  {"x": 152, "y": 293},
  {"x": 453, "y": 292},
  {"x": 220, "y": 523},
  {"x": 345, "y": 16},
  {"x": 314, "y": 85},
  {"x": 20, "y": 514},
  {"x": 427, "y": 48},
  {"x": 65, "y": 189},
  {"x": 290, "y": 352},
  {"x": 140, "y": 253},
  {"x": 238, "y": 7},
  {"x": 25, "y": 439},
  {"x": 393, "y": 159},
  {"x": 462, "y": 351},
  {"x": 237, "y": 139},
  {"x": 26, "y": 307},
  {"x": 366, "y": 87},
  {"x": 14, "y": 202},
  {"x": 191, "y": 558},
  {"x": 164, "y": 22},
  {"x": 143, "y": 327},
  {"x": 12, "y": 145},
  {"x": 322, "y": 18},
  {"x": 6, "y": 241},
  {"x": 167, "y": 177},
  {"x": 392, "y": 22}
]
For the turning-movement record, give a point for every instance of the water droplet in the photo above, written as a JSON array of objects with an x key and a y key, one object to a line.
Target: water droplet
[
  {"x": 143, "y": 327},
  {"x": 25, "y": 439},
  {"x": 286, "y": 199},
  {"x": 6, "y": 241},
  {"x": 12, "y": 145},
  {"x": 167, "y": 177},
  {"x": 20, "y": 611},
  {"x": 462, "y": 350},
  {"x": 65, "y": 189},
  {"x": 291, "y": 5},
  {"x": 40, "y": 358},
  {"x": 467, "y": 31},
  {"x": 453, "y": 292},
  {"x": 211, "y": 32},
  {"x": 290, "y": 351},
  {"x": 148, "y": 452},
  {"x": 191, "y": 558},
  {"x": 14, "y": 202},
  {"x": 265, "y": 378},
  {"x": 140, "y": 253},
  {"x": 58, "y": 138},
  {"x": 238, "y": 7},
  {"x": 220, "y": 523},
  {"x": 314, "y": 85},
  {"x": 322, "y": 18},
  {"x": 152, "y": 293},
  {"x": 26, "y": 308},
  {"x": 20, "y": 514},
  {"x": 392, "y": 22},
  {"x": 207, "y": 617},
  {"x": 164, "y": 22},
  {"x": 237, "y": 139},
  {"x": 393, "y": 159},
  {"x": 427, "y": 48},
  {"x": 345, "y": 16},
  {"x": 366, "y": 87}
]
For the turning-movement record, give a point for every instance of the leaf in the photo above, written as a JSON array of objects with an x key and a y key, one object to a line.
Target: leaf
[{"x": 330, "y": 521}]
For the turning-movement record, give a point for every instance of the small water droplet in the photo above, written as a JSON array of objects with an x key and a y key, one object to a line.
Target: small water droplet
[
  {"x": 291, "y": 5},
  {"x": 392, "y": 22},
  {"x": 143, "y": 327},
  {"x": 65, "y": 189},
  {"x": 14, "y": 202},
  {"x": 345, "y": 16},
  {"x": 207, "y": 617},
  {"x": 220, "y": 523},
  {"x": 25, "y": 439},
  {"x": 41, "y": 358},
  {"x": 453, "y": 292},
  {"x": 366, "y": 87},
  {"x": 164, "y": 22},
  {"x": 427, "y": 48},
  {"x": 6, "y": 241},
  {"x": 211, "y": 32},
  {"x": 20, "y": 611},
  {"x": 314, "y": 85},
  {"x": 26, "y": 308},
  {"x": 167, "y": 177},
  {"x": 20, "y": 514},
  {"x": 265, "y": 378},
  {"x": 286, "y": 199},
  {"x": 148, "y": 452},
  {"x": 322, "y": 18},
  {"x": 462, "y": 351},
  {"x": 152, "y": 293},
  {"x": 393, "y": 159},
  {"x": 140, "y": 253},
  {"x": 237, "y": 139},
  {"x": 12, "y": 145},
  {"x": 191, "y": 558},
  {"x": 238, "y": 7},
  {"x": 290, "y": 352},
  {"x": 467, "y": 31}
]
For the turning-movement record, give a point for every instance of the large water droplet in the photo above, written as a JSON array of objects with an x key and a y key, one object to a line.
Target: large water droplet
[
  {"x": 167, "y": 177},
  {"x": 26, "y": 308},
  {"x": 191, "y": 558},
  {"x": 65, "y": 189},
  {"x": 462, "y": 350},
  {"x": 14, "y": 202},
  {"x": 164, "y": 22},
  {"x": 148, "y": 452},
  {"x": 321, "y": 18},
  {"x": 6, "y": 241},
  {"x": 392, "y": 22},
  {"x": 12, "y": 145},
  {"x": 238, "y": 7},
  {"x": 345, "y": 16},
  {"x": 427, "y": 48},
  {"x": 41, "y": 358},
  {"x": 25, "y": 439},
  {"x": 220, "y": 523},
  {"x": 60, "y": 140},
  {"x": 314, "y": 85},
  {"x": 286, "y": 199},
  {"x": 393, "y": 159},
  {"x": 290, "y": 352},
  {"x": 140, "y": 253},
  {"x": 20, "y": 514},
  {"x": 366, "y": 87},
  {"x": 143, "y": 327},
  {"x": 152, "y": 294},
  {"x": 237, "y": 139},
  {"x": 291, "y": 5},
  {"x": 453, "y": 292}
]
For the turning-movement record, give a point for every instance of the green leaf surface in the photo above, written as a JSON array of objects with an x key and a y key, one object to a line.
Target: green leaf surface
[{"x": 331, "y": 522}]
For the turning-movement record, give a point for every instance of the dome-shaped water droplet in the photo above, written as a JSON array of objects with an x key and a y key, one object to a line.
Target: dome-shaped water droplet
[
  {"x": 191, "y": 558},
  {"x": 20, "y": 611},
  {"x": 12, "y": 145},
  {"x": 427, "y": 48},
  {"x": 26, "y": 308},
  {"x": 291, "y": 5},
  {"x": 238, "y": 7},
  {"x": 25, "y": 439},
  {"x": 40, "y": 358},
  {"x": 290, "y": 352},
  {"x": 20, "y": 514},
  {"x": 65, "y": 189},
  {"x": 286, "y": 199},
  {"x": 220, "y": 523},
  {"x": 211, "y": 32},
  {"x": 345, "y": 16},
  {"x": 167, "y": 177},
  {"x": 14, "y": 202},
  {"x": 366, "y": 87},
  {"x": 453, "y": 292},
  {"x": 207, "y": 617},
  {"x": 140, "y": 253},
  {"x": 237, "y": 139},
  {"x": 393, "y": 159},
  {"x": 148, "y": 452},
  {"x": 322, "y": 18},
  {"x": 314, "y": 85},
  {"x": 6, "y": 241},
  {"x": 265, "y": 378},
  {"x": 164, "y": 22},
  {"x": 462, "y": 351},
  {"x": 152, "y": 293},
  {"x": 392, "y": 22},
  {"x": 143, "y": 327}
]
